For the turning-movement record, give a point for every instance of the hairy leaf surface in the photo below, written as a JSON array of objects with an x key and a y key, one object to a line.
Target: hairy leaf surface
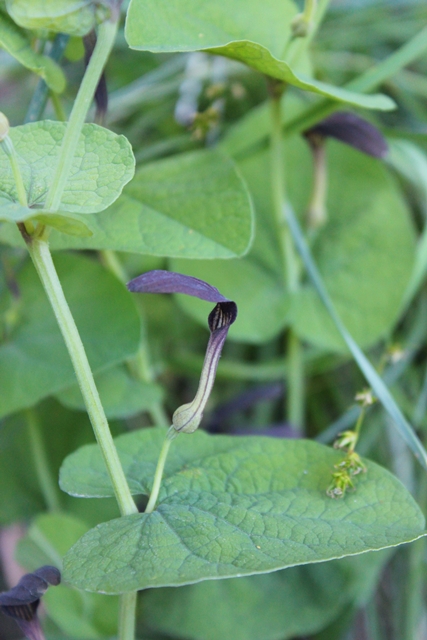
[{"x": 229, "y": 506}]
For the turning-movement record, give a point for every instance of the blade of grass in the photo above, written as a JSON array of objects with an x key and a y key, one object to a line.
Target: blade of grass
[{"x": 375, "y": 381}]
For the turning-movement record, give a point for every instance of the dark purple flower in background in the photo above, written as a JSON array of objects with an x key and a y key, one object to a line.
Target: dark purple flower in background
[
  {"x": 187, "y": 417},
  {"x": 21, "y": 602},
  {"x": 351, "y": 130}
]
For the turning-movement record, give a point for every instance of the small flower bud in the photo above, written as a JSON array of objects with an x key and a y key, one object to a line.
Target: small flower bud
[
  {"x": 4, "y": 126},
  {"x": 365, "y": 398}
]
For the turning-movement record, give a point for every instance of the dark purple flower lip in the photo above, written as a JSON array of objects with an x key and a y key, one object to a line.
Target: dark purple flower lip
[
  {"x": 160, "y": 281},
  {"x": 187, "y": 417},
  {"x": 21, "y": 602},
  {"x": 353, "y": 130}
]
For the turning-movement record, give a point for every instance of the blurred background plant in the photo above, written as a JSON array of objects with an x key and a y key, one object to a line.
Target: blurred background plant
[{"x": 172, "y": 103}]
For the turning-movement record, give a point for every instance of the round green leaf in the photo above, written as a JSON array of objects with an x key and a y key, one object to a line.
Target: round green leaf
[
  {"x": 75, "y": 17},
  {"x": 365, "y": 252},
  {"x": 192, "y": 205},
  {"x": 255, "y": 33},
  {"x": 16, "y": 42},
  {"x": 295, "y": 602},
  {"x": 121, "y": 395},
  {"x": 230, "y": 506},
  {"x": 34, "y": 353},
  {"x": 102, "y": 165}
]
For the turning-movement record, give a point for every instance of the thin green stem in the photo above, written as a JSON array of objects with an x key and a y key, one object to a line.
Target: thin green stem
[
  {"x": 9, "y": 150},
  {"x": 278, "y": 192},
  {"x": 295, "y": 375},
  {"x": 171, "y": 434},
  {"x": 359, "y": 422},
  {"x": 106, "y": 36},
  {"x": 45, "y": 478},
  {"x": 110, "y": 260},
  {"x": 57, "y": 106},
  {"x": 42, "y": 259},
  {"x": 296, "y": 382},
  {"x": 127, "y": 615},
  {"x": 413, "y": 593},
  {"x": 297, "y": 46},
  {"x": 158, "y": 415},
  {"x": 41, "y": 93}
]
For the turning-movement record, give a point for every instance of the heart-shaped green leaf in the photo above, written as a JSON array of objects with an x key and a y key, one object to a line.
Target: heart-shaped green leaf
[
  {"x": 255, "y": 33},
  {"x": 33, "y": 350},
  {"x": 192, "y": 205},
  {"x": 121, "y": 394},
  {"x": 229, "y": 506},
  {"x": 295, "y": 602},
  {"x": 15, "y": 41},
  {"x": 356, "y": 251},
  {"x": 74, "y": 17},
  {"x": 102, "y": 165}
]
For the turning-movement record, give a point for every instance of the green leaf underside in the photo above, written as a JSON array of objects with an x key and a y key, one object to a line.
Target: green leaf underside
[
  {"x": 294, "y": 602},
  {"x": 235, "y": 29},
  {"x": 78, "y": 614},
  {"x": 34, "y": 362},
  {"x": 102, "y": 165},
  {"x": 121, "y": 395},
  {"x": 17, "y": 44},
  {"x": 229, "y": 506},
  {"x": 70, "y": 223},
  {"x": 192, "y": 205},
  {"x": 74, "y": 17},
  {"x": 356, "y": 251}
]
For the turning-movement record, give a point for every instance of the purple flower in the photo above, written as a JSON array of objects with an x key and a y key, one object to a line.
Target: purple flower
[
  {"x": 21, "y": 602},
  {"x": 352, "y": 130},
  {"x": 187, "y": 417},
  {"x": 349, "y": 129}
]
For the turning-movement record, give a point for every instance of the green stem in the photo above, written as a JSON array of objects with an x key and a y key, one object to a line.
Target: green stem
[
  {"x": 41, "y": 93},
  {"x": 110, "y": 260},
  {"x": 127, "y": 616},
  {"x": 9, "y": 150},
  {"x": 42, "y": 259},
  {"x": 106, "y": 36},
  {"x": 57, "y": 107},
  {"x": 413, "y": 593},
  {"x": 47, "y": 484},
  {"x": 278, "y": 192},
  {"x": 171, "y": 434},
  {"x": 158, "y": 415},
  {"x": 295, "y": 376},
  {"x": 359, "y": 422},
  {"x": 296, "y": 380}
]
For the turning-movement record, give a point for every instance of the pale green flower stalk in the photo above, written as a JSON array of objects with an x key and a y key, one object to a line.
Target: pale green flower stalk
[{"x": 187, "y": 417}]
